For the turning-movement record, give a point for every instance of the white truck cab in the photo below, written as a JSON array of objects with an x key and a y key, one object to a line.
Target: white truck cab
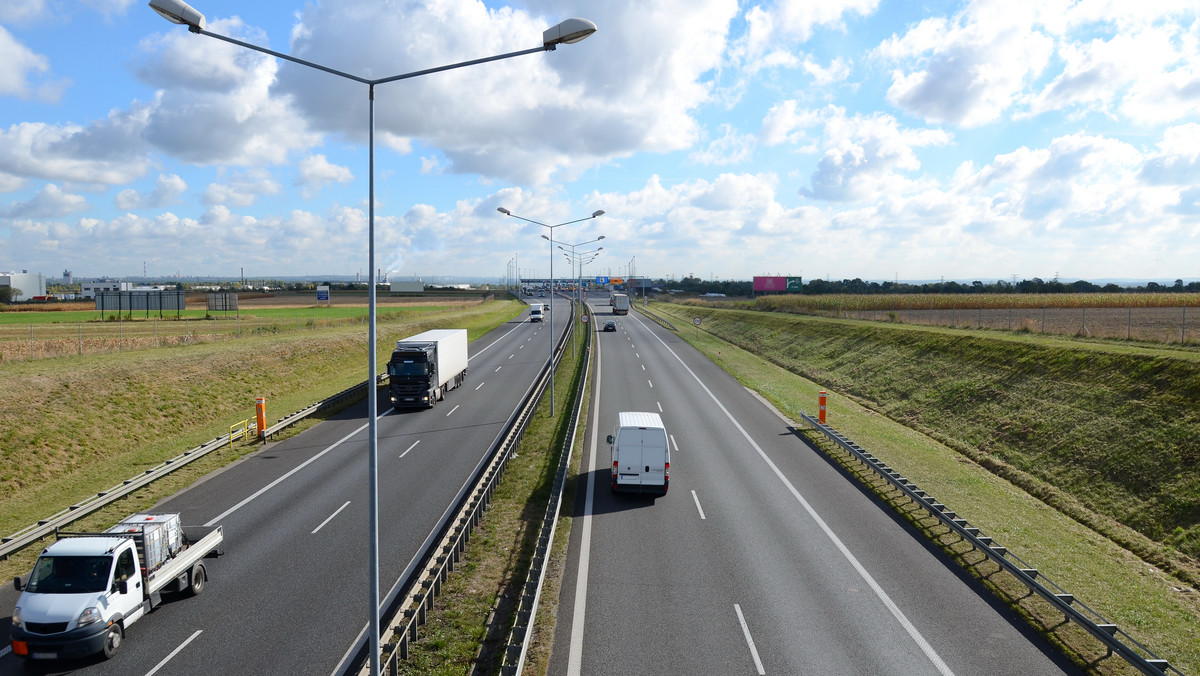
[
  {"x": 87, "y": 588},
  {"x": 641, "y": 455}
]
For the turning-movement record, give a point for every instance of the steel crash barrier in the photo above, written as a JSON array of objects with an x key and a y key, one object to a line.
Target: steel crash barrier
[
  {"x": 405, "y": 609},
  {"x": 1109, "y": 634}
]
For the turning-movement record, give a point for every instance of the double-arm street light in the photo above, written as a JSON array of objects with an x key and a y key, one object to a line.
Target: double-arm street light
[
  {"x": 506, "y": 212},
  {"x": 578, "y": 281},
  {"x": 569, "y": 31}
]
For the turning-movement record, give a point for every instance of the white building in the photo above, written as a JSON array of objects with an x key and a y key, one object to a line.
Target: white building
[
  {"x": 25, "y": 285},
  {"x": 89, "y": 289}
]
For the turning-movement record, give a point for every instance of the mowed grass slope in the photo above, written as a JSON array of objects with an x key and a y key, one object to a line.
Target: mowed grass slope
[
  {"x": 1088, "y": 430},
  {"x": 73, "y": 426}
]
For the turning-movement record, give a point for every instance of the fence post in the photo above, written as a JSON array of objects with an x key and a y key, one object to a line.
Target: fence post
[
  {"x": 821, "y": 406},
  {"x": 260, "y": 416}
]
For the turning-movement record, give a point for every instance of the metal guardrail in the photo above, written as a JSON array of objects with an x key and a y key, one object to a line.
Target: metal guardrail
[
  {"x": 405, "y": 608},
  {"x": 1136, "y": 654},
  {"x": 661, "y": 321},
  {"x": 35, "y": 532},
  {"x": 517, "y": 646}
]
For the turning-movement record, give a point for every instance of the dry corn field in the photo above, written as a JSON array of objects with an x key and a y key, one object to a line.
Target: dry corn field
[{"x": 1153, "y": 317}]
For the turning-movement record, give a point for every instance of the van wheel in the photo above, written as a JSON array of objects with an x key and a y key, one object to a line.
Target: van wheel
[
  {"x": 198, "y": 577},
  {"x": 112, "y": 640}
]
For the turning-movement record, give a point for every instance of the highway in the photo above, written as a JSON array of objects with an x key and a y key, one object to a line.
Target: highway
[
  {"x": 764, "y": 557},
  {"x": 290, "y": 594}
]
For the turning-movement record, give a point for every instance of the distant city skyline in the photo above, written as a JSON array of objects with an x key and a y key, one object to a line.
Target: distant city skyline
[{"x": 845, "y": 139}]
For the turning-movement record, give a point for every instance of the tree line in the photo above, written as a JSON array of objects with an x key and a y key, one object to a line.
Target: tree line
[{"x": 859, "y": 286}]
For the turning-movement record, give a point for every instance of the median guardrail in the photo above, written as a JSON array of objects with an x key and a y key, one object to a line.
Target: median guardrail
[
  {"x": 406, "y": 606},
  {"x": 517, "y": 645},
  {"x": 1074, "y": 610},
  {"x": 659, "y": 320}
]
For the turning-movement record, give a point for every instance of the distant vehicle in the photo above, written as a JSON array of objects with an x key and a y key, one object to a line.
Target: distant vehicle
[
  {"x": 610, "y": 325},
  {"x": 641, "y": 458},
  {"x": 714, "y": 295},
  {"x": 426, "y": 366},
  {"x": 620, "y": 304},
  {"x": 536, "y": 311},
  {"x": 87, "y": 588},
  {"x": 541, "y": 294}
]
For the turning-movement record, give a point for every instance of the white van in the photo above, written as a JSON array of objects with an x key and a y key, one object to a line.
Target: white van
[
  {"x": 535, "y": 312},
  {"x": 641, "y": 458}
]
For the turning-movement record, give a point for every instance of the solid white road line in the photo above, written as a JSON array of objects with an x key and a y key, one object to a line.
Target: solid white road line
[
  {"x": 575, "y": 655},
  {"x": 339, "y": 510},
  {"x": 901, "y": 618},
  {"x": 410, "y": 448},
  {"x": 698, "y": 507},
  {"x": 750, "y": 641},
  {"x": 174, "y": 652},
  {"x": 453, "y": 410}
]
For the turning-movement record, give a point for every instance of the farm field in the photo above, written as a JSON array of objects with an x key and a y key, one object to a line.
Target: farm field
[
  {"x": 1150, "y": 317},
  {"x": 66, "y": 329}
]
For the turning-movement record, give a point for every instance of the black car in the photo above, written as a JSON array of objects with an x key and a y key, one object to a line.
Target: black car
[{"x": 610, "y": 325}]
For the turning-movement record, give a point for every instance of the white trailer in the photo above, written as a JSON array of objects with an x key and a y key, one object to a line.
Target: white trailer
[
  {"x": 87, "y": 588},
  {"x": 426, "y": 366},
  {"x": 620, "y": 304}
]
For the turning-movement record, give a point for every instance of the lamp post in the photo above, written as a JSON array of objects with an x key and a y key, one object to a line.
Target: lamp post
[
  {"x": 568, "y": 32},
  {"x": 571, "y": 258},
  {"x": 506, "y": 212}
]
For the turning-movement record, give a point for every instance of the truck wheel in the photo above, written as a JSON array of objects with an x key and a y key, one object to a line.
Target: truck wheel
[
  {"x": 197, "y": 579},
  {"x": 112, "y": 640}
]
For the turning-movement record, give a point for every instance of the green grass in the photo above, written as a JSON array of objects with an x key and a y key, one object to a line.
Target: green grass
[
  {"x": 74, "y": 426},
  {"x": 788, "y": 359}
]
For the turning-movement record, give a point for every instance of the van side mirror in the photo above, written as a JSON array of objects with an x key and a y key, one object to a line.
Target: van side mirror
[
  {"x": 610, "y": 439},
  {"x": 17, "y": 583},
  {"x": 123, "y": 587}
]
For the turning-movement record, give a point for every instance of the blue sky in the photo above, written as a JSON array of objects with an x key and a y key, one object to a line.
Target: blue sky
[{"x": 845, "y": 138}]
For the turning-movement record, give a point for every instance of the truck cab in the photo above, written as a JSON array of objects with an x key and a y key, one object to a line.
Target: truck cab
[
  {"x": 536, "y": 310},
  {"x": 79, "y": 598}
]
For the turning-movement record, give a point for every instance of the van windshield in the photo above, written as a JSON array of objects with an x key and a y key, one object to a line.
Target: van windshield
[{"x": 70, "y": 574}]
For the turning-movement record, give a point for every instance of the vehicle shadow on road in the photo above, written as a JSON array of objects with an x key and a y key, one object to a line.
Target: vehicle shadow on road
[{"x": 604, "y": 501}]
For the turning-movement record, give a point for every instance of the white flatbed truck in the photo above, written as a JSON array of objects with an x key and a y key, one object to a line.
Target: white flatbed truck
[{"x": 87, "y": 588}]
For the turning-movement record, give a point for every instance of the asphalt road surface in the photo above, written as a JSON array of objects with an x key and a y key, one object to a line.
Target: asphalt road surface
[
  {"x": 764, "y": 557},
  {"x": 290, "y": 594}
]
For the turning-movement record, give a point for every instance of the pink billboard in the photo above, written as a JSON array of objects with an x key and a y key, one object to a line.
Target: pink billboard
[{"x": 770, "y": 283}]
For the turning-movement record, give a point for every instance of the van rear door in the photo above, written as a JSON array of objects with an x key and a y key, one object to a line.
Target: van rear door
[{"x": 642, "y": 457}]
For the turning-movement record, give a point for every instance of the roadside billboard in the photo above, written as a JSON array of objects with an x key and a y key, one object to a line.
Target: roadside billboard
[{"x": 778, "y": 284}]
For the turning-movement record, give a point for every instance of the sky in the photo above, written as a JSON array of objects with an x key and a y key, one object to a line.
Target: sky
[{"x": 880, "y": 139}]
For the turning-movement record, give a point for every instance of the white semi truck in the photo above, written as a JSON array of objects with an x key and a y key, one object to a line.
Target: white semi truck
[
  {"x": 424, "y": 367},
  {"x": 620, "y": 304},
  {"x": 87, "y": 588}
]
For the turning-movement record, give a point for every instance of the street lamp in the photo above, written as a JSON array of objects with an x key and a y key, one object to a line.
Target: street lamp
[
  {"x": 568, "y": 32},
  {"x": 573, "y": 258},
  {"x": 506, "y": 212}
]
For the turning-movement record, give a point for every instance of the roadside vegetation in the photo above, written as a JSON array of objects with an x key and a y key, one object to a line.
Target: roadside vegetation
[
  {"x": 74, "y": 426},
  {"x": 1078, "y": 456}
]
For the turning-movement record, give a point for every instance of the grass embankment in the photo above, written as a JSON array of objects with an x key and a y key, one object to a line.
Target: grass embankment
[
  {"x": 953, "y": 402},
  {"x": 73, "y": 426}
]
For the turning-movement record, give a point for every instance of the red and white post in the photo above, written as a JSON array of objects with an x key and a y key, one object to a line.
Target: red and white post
[{"x": 821, "y": 406}]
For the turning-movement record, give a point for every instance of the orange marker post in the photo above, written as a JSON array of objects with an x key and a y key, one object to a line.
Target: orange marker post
[
  {"x": 260, "y": 416},
  {"x": 821, "y": 401}
]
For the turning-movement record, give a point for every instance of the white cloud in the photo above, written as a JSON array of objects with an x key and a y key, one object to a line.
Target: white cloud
[
  {"x": 49, "y": 202},
  {"x": 109, "y": 152},
  {"x": 773, "y": 30},
  {"x": 785, "y": 124},
  {"x": 968, "y": 70},
  {"x": 864, "y": 156},
  {"x": 630, "y": 87},
  {"x": 315, "y": 172},
  {"x": 20, "y": 66},
  {"x": 167, "y": 189},
  {"x": 22, "y": 11},
  {"x": 732, "y": 147},
  {"x": 241, "y": 189}
]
